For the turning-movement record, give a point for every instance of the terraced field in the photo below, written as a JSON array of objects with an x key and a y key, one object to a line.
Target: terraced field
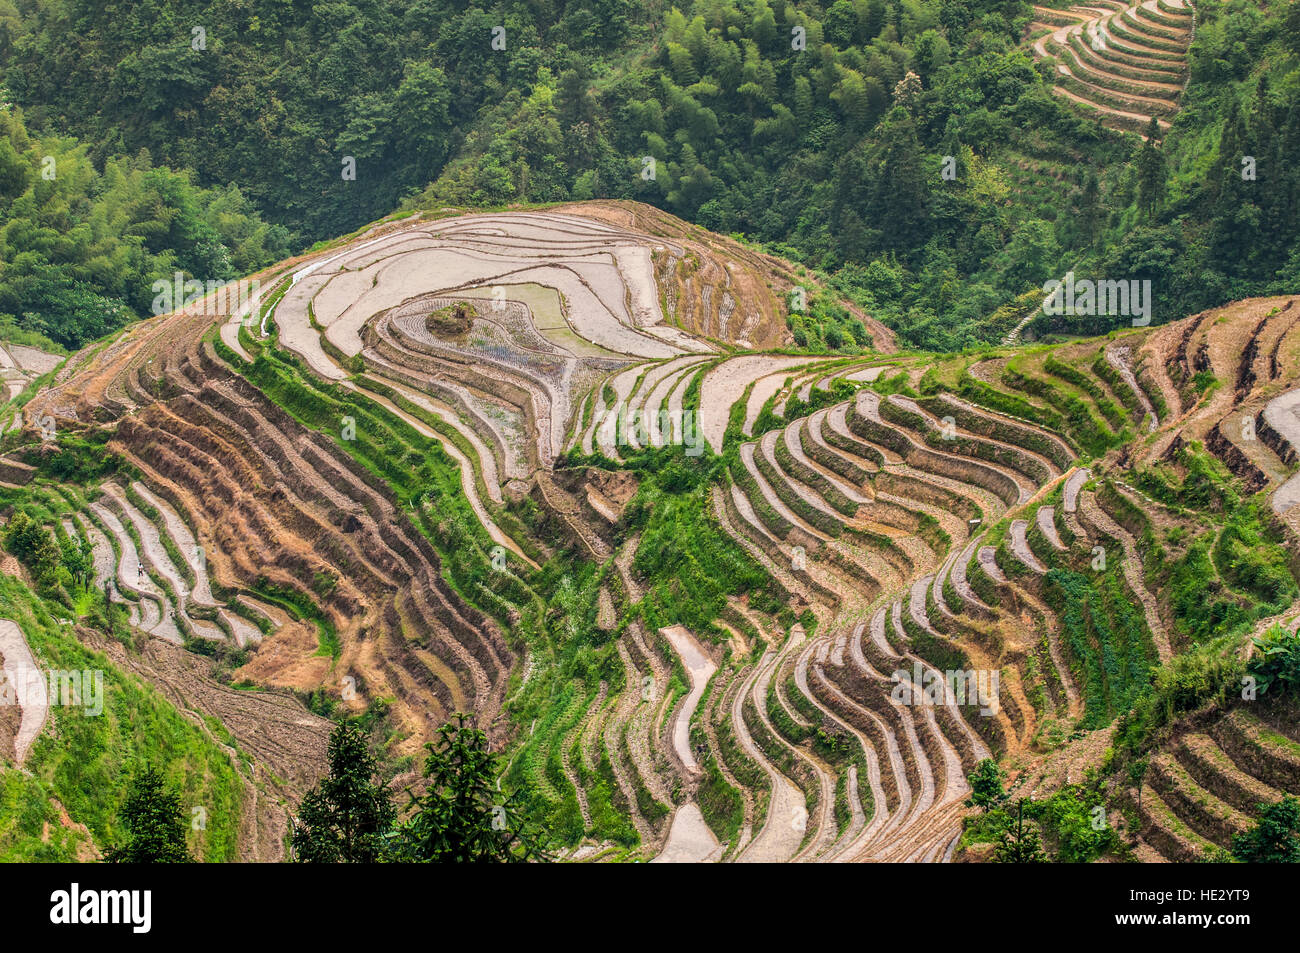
[
  {"x": 1206, "y": 786},
  {"x": 1124, "y": 63},
  {"x": 20, "y": 368},
  {"x": 720, "y": 600}
]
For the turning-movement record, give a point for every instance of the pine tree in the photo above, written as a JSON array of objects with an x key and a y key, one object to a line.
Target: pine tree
[
  {"x": 1090, "y": 210},
  {"x": 874, "y": 21},
  {"x": 154, "y": 822},
  {"x": 1291, "y": 27},
  {"x": 1151, "y": 172},
  {"x": 986, "y": 785},
  {"x": 1234, "y": 215},
  {"x": 1020, "y": 844},
  {"x": 346, "y": 817},
  {"x": 462, "y": 816},
  {"x": 901, "y": 196}
]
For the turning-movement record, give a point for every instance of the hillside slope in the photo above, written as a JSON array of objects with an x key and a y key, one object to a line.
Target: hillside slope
[{"x": 719, "y": 598}]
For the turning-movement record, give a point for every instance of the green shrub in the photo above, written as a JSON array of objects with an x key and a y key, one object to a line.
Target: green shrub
[{"x": 1277, "y": 660}]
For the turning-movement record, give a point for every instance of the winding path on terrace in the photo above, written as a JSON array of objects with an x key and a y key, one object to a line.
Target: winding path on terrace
[
  {"x": 724, "y": 384},
  {"x": 241, "y": 317},
  {"x": 1074, "y": 484},
  {"x": 1283, "y": 415},
  {"x": 782, "y": 831},
  {"x": 764, "y": 389},
  {"x": 700, "y": 668},
  {"x": 1047, "y": 526},
  {"x": 689, "y": 838},
  {"x": 1020, "y": 546},
  {"x": 105, "y": 561},
  {"x": 468, "y": 484},
  {"x": 188, "y": 547},
  {"x": 157, "y": 557},
  {"x": 131, "y": 578},
  {"x": 1117, "y": 356},
  {"x": 26, "y": 682},
  {"x": 958, "y": 574},
  {"x": 987, "y": 558},
  {"x": 1095, "y": 515}
]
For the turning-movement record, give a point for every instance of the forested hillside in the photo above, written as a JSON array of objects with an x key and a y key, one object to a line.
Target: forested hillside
[
  {"x": 81, "y": 243},
  {"x": 818, "y": 128}
]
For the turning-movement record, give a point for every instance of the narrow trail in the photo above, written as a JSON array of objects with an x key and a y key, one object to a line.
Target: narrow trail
[
  {"x": 700, "y": 668},
  {"x": 1096, "y": 516},
  {"x": 26, "y": 680},
  {"x": 989, "y": 564},
  {"x": 566, "y": 765},
  {"x": 102, "y": 554},
  {"x": 1117, "y": 356},
  {"x": 1045, "y": 518},
  {"x": 781, "y": 833},
  {"x": 1073, "y": 486},
  {"x": 1283, "y": 415},
  {"x": 960, "y": 582},
  {"x": 151, "y": 541},
  {"x": 467, "y": 482},
  {"x": 186, "y": 545},
  {"x": 689, "y": 837},
  {"x": 130, "y": 573},
  {"x": 1020, "y": 546}
]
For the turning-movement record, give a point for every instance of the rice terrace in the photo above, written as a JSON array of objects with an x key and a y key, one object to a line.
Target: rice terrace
[{"x": 704, "y": 449}]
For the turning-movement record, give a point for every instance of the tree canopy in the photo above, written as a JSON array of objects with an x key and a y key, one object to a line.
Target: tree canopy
[
  {"x": 460, "y": 814},
  {"x": 347, "y": 817},
  {"x": 821, "y": 130},
  {"x": 154, "y": 821}
]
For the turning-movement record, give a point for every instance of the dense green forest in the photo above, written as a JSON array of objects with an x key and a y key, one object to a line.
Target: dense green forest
[
  {"x": 81, "y": 245},
  {"x": 819, "y": 130}
]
